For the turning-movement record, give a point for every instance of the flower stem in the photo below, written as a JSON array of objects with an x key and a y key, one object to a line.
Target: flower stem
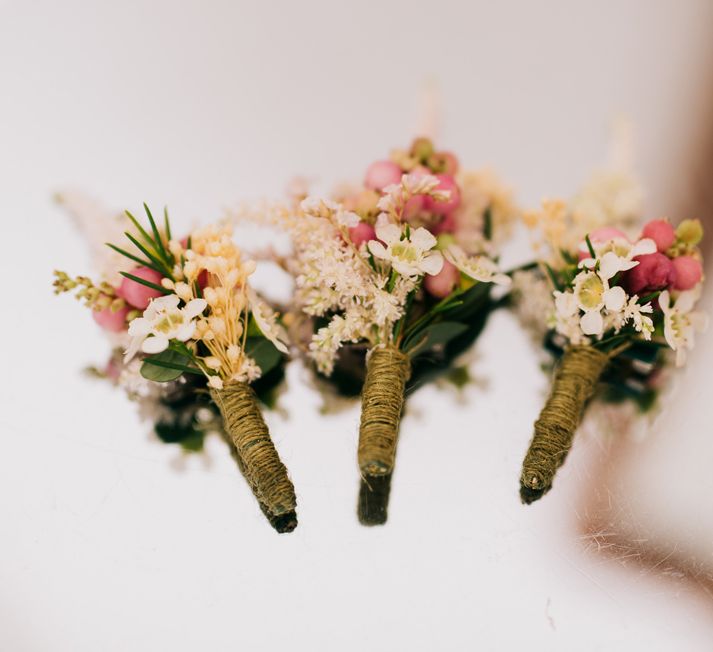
[
  {"x": 575, "y": 381},
  {"x": 387, "y": 371},
  {"x": 246, "y": 428}
]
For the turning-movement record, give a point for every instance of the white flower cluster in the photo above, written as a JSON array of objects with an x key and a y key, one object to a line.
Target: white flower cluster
[
  {"x": 681, "y": 322},
  {"x": 396, "y": 195},
  {"x": 593, "y": 306},
  {"x": 334, "y": 278}
]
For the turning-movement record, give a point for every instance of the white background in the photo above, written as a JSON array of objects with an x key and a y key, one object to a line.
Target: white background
[{"x": 111, "y": 541}]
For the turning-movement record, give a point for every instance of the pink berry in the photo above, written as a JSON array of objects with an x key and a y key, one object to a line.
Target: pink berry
[
  {"x": 114, "y": 322},
  {"x": 381, "y": 174},
  {"x": 447, "y": 182},
  {"x": 661, "y": 232},
  {"x": 688, "y": 272},
  {"x": 362, "y": 232},
  {"x": 139, "y": 295},
  {"x": 450, "y": 163},
  {"x": 446, "y": 225},
  {"x": 607, "y": 233},
  {"x": 414, "y": 205},
  {"x": 203, "y": 279},
  {"x": 602, "y": 234},
  {"x": 654, "y": 272},
  {"x": 442, "y": 284}
]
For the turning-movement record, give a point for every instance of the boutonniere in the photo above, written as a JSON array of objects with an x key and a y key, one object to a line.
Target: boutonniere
[{"x": 194, "y": 337}]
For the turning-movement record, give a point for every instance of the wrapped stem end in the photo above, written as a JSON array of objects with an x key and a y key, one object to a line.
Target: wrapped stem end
[
  {"x": 374, "y": 499},
  {"x": 262, "y": 466},
  {"x": 388, "y": 370},
  {"x": 575, "y": 381}
]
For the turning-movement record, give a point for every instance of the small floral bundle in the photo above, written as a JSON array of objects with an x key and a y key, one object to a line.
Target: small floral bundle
[
  {"x": 616, "y": 305},
  {"x": 189, "y": 320},
  {"x": 393, "y": 273}
]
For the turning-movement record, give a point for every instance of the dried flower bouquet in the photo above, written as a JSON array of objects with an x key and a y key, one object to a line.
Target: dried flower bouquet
[
  {"x": 191, "y": 323},
  {"x": 615, "y": 304},
  {"x": 391, "y": 276}
]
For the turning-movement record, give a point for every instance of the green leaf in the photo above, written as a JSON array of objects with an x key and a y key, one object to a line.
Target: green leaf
[
  {"x": 440, "y": 333},
  {"x": 143, "y": 263},
  {"x": 148, "y": 284},
  {"x": 488, "y": 224},
  {"x": 553, "y": 277},
  {"x": 592, "y": 253},
  {"x": 166, "y": 366},
  {"x": 649, "y": 297},
  {"x": 139, "y": 228},
  {"x": 264, "y": 352},
  {"x": 151, "y": 256},
  {"x": 158, "y": 242},
  {"x": 166, "y": 223},
  {"x": 469, "y": 301}
]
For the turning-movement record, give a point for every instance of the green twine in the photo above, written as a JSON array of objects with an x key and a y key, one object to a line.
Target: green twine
[
  {"x": 246, "y": 428},
  {"x": 387, "y": 372},
  {"x": 575, "y": 381}
]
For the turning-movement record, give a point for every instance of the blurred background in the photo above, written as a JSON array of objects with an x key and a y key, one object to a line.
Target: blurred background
[{"x": 113, "y": 541}]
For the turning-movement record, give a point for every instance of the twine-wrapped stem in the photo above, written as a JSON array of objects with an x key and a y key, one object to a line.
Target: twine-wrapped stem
[
  {"x": 387, "y": 371},
  {"x": 248, "y": 432},
  {"x": 574, "y": 383}
]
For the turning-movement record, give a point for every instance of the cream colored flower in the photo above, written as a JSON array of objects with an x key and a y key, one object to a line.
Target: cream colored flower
[
  {"x": 266, "y": 320},
  {"x": 215, "y": 382},
  {"x": 412, "y": 256},
  {"x": 328, "y": 209},
  {"x": 617, "y": 255},
  {"x": 396, "y": 195},
  {"x": 566, "y": 319},
  {"x": 479, "y": 268},
  {"x": 681, "y": 322},
  {"x": 638, "y": 315},
  {"x": 592, "y": 293},
  {"x": 162, "y": 322}
]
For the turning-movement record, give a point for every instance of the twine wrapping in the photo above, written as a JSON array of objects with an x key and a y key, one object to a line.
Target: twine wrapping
[
  {"x": 387, "y": 371},
  {"x": 283, "y": 523},
  {"x": 246, "y": 428},
  {"x": 573, "y": 385}
]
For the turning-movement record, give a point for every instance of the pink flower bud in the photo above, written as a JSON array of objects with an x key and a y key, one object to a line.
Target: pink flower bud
[
  {"x": 688, "y": 272},
  {"x": 654, "y": 272},
  {"x": 114, "y": 322},
  {"x": 447, "y": 182},
  {"x": 136, "y": 294},
  {"x": 661, "y": 232},
  {"x": 446, "y": 225},
  {"x": 442, "y": 284},
  {"x": 362, "y": 232},
  {"x": 381, "y": 174}
]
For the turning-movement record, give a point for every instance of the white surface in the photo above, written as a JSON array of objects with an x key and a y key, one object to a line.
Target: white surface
[{"x": 105, "y": 545}]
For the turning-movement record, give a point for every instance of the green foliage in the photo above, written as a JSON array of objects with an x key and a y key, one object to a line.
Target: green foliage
[
  {"x": 264, "y": 352},
  {"x": 432, "y": 335},
  {"x": 148, "y": 284},
  {"x": 167, "y": 366},
  {"x": 151, "y": 245}
]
